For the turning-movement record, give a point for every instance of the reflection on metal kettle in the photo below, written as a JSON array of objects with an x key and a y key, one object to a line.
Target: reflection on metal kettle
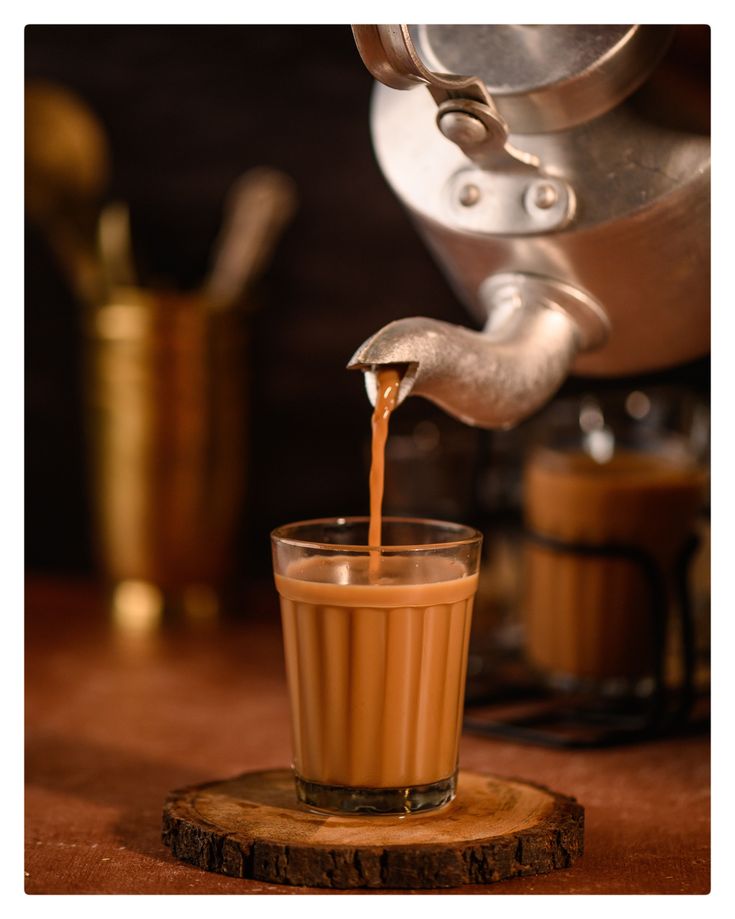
[{"x": 571, "y": 221}]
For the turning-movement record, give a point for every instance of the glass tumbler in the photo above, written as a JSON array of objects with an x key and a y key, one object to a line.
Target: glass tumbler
[
  {"x": 611, "y": 505},
  {"x": 376, "y": 655}
]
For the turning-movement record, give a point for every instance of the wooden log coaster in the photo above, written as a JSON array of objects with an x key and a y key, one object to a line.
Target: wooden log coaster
[{"x": 252, "y": 826}]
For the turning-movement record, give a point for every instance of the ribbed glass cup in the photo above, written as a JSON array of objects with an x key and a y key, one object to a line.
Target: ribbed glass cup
[{"x": 376, "y": 655}]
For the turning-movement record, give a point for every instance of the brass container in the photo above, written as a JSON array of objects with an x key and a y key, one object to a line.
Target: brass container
[{"x": 166, "y": 412}]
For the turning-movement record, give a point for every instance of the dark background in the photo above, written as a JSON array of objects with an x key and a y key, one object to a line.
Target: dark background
[{"x": 186, "y": 110}]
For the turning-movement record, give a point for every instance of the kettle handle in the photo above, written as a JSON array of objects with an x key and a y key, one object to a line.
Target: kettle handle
[
  {"x": 466, "y": 112},
  {"x": 390, "y": 55}
]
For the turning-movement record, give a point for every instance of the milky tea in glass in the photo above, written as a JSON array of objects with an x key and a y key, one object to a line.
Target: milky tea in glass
[{"x": 376, "y": 656}]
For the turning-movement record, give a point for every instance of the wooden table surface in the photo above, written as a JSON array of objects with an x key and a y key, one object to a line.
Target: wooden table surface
[{"x": 115, "y": 720}]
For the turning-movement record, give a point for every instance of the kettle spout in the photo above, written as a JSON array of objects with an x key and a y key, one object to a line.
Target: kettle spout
[{"x": 490, "y": 379}]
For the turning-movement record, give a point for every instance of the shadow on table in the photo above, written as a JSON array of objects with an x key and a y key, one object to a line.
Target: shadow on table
[{"x": 111, "y": 777}]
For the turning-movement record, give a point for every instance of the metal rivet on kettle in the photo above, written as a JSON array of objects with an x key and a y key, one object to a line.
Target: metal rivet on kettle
[
  {"x": 462, "y": 128},
  {"x": 468, "y": 195},
  {"x": 543, "y": 195}
]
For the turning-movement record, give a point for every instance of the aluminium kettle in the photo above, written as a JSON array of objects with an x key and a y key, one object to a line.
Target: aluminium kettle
[{"x": 573, "y": 224}]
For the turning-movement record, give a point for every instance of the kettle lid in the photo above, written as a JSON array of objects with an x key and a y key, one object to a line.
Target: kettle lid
[{"x": 547, "y": 77}]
